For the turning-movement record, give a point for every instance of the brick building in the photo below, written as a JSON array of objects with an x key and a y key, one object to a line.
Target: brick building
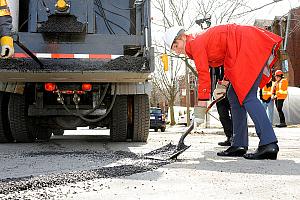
[
  {"x": 292, "y": 41},
  {"x": 182, "y": 90},
  {"x": 293, "y": 46}
]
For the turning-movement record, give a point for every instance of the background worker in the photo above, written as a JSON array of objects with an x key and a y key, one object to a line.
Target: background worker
[
  {"x": 280, "y": 93},
  {"x": 268, "y": 103},
  {"x": 223, "y": 106},
  {"x": 247, "y": 65},
  {"x": 6, "y": 41}
]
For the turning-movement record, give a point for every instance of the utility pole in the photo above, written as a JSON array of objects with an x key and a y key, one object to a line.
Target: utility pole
[
  {"x": 285, "y": 62},
  {"x": 187, "y": 84}
]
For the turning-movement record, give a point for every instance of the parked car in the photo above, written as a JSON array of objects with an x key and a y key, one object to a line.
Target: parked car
[
  {"x": 157, "y": 119},
  {"x": 182, "y": 119}
]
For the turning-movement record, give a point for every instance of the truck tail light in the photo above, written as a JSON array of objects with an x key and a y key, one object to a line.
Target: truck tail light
[
  {"x": 80, "y": 92},
  {"x": 86, "y": 86},
  {"x": 50, "y": 87},
  {"x": 69, "y": 92}
]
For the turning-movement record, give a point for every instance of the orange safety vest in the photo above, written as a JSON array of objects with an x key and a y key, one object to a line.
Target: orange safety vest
[
  {"x": 4, "y": 10},
  {"x": 266, "y": 92},
  {"x": 282, "y": 89}
]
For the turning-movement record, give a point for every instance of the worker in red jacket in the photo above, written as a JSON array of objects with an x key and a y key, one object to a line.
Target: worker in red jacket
[{"x": 247, "y": 54}]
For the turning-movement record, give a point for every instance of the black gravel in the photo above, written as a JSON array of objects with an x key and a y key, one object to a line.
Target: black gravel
[
  {"x": 57, "y": 153},
  {"x": 101, "y": 156},
  {"x": 164, "y": 150},
  {"x": 169, "y": 151},
  {"x": 58, "y": 24},
  {"x": 123, "y": 63},
  {"x": 132, "y": 164}
]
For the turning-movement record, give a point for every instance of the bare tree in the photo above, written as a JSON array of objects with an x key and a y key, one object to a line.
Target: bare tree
[
  {"x": 167, "y": 83},
  {"x": 294, "y": 21},
  {"x": 225, "y": 11},
  {"x": 173, "y": 12}
]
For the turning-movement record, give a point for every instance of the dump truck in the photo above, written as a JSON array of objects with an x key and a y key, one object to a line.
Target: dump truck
[{"x": 77, "y": 63}]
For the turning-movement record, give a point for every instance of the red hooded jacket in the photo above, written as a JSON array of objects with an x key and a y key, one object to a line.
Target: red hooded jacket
[{"x": 242, "y": 50}]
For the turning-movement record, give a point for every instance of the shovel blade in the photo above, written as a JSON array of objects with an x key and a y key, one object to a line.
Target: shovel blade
[
  {"x": 179, "y": 151},
  {"x": 169, "y": 151}
]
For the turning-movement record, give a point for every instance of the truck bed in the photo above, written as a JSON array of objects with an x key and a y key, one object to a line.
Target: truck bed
[{"x": 121, "y": 69}]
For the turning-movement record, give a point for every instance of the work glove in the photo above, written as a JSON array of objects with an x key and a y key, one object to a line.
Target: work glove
[
  {"x": 199, "y": 111},
  {"x": 201, "y": 103},
  {"x": 7, "y": 46},
  {"x": 220, "y": 90}
]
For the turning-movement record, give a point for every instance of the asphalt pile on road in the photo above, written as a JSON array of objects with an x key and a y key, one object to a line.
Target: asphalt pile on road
[
  {"x": 162, "y": 153},
  {"x": 128, "y": 164},
  {"x": 169, "y": 151},
  {"x": 122, "y": 63}
]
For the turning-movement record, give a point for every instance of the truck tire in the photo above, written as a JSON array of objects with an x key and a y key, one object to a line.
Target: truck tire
[
  {"x": 43, "y": 134},
  {"x": 141, "y": 118},
  {"x": 118, "y": 128},
  {"x": 20, "y": 124},
  {"x": 5, "y": 133}
]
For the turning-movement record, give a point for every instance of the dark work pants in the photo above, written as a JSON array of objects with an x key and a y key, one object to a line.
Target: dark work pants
[
  {"x": 252, "y": 105},
  {"x": 279, "y": 105},
  {"x": 224, "y": 112}
]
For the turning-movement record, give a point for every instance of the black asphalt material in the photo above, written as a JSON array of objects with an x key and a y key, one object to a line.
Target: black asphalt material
[
  {"x": 133, "y": 164},
  {"x": 123, "y": 63},
  {"x": 169, "y": 151},
  {"x": 162, "y": 151},
  {"x": 58, "y": 24}
]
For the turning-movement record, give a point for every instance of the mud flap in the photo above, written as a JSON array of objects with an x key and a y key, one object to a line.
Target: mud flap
[{"x": 17, "y": 88}]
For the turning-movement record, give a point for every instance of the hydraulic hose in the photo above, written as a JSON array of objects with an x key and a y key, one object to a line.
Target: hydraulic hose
[
  {"x": 99, "y": 102},
  {"x": 97, "y": 119}
]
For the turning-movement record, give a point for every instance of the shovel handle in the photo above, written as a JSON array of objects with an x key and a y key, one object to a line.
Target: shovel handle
[
  {"x": 28, "y": 52},
  {"x": 191, "y": 127},
  {"x": 188, "y": 131},
  {"x": 214, "y": 102}
]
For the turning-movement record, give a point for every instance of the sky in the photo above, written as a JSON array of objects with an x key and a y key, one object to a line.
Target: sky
[{"x": 277, "y": 9}]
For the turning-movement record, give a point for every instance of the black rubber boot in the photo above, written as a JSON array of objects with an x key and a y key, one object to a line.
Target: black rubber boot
[
  {"x": 268, "y": 151},
  {"x": 225, "y": 143},
  {"x": 233, "y": 151},
  {"x": 281, "y": 125}
]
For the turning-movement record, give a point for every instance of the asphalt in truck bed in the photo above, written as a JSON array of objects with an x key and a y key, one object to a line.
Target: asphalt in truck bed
[{"x": 123, "y": 63}]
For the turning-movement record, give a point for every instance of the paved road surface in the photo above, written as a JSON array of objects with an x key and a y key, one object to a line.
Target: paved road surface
[{"x": 90, "y": 167}]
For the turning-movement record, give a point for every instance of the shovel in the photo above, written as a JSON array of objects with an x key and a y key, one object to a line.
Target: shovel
[{"x": 171, "y": 151}]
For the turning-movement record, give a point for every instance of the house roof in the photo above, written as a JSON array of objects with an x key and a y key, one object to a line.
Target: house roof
[{"x": 263, "y": 23}]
